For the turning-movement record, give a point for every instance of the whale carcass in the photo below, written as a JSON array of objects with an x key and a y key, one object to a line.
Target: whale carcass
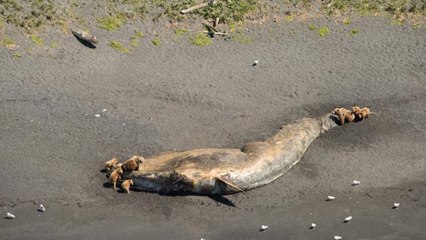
[{"x": 226, "y": 171}]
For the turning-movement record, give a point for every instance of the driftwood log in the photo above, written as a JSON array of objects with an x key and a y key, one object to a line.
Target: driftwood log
[
  {"x": 198, "y": 6},
  {"x": 225, "y": 171}
]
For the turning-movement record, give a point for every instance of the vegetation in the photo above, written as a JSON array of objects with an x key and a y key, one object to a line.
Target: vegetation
[
  {"x": 354, "y": 32},
  {"x": 33, "y": 15},
  {"x": 180, "y": 32},
  {"x": 323, "y": 31},
  {"x": 201, "y": 39},
  {"x": 347, "y": 21},
  {"x": 17, "y": 54},
  {"x": 289, "y": 18},
  {"x": 54, "y": 44},
  {"x": 374, "y": 7},
  {"x": 156, "y": 41},
  {"x": 29, "y": 14},
  {"x": 7, "y": 43},
  {"x": 37, "y": 40},
  {"x": 239, "y": 37},
  {"x": 134, "y": 40},
  {"x": 171, "y": 8},
  {"x": 111, "y": 23},
  {"x": 229, "y": 11},
  {"x": 116, "y": 45}
]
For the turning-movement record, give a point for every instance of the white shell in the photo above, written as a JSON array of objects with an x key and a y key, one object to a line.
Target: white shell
[
  {"x": 337, "y": 237},
  {"x": 264, "y": 227},
  {"x": 396, "y": 205},
  {"x": 97, "y": 115},
  {"x": 347, "y": 219},
  {"x": 355, "y": 182},
  {"x": 331, "y": 197},
  {"x": 104, "y": 110},
  {"x": 256, "y": 61},
  {"x": 41, "y": 208},
  {"x": 313, "y": 225},
  {"x": 10, "y": 216}
]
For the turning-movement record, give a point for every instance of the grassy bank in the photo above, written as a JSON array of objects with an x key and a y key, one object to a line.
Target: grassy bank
[{"x": 33, "y": 17}]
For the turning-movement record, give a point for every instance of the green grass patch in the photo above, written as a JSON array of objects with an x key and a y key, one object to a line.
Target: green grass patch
[
  {"x": 201, "y": 39},
  {"x": 156, "y": 41},
  {"x": 6, "y": 41},
  {"x": 323, "y": 31},
  {"x": 54, "y": 44},
  {"x": 17, "y": 54},
  {"x": 241, "y": 38},
  {"x": 134, "y": 40},
  {"x": 354, "y": 32},
  {"x": 29, "y": 14},
  {"x": 111, "y": 23},
  {"x": 171, "y": 8},
  {"x": 37, "y": 40},
  {"x": 347, "y": 21},
  {"x": 138, "y": 34},
  {"x": 229, "y": 11},
  {"x": 312, "y": 27},
  {"x": 234, "y": 26},
  {"x": 397, "y": 21},
  {"x": 374, "y": 7},
  {"x": 180, "y": 32},
  {"x": 289, "y": 18},
  {"x": 118, "y": 46}
]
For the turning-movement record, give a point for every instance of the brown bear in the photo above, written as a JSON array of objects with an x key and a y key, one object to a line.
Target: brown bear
[
  {"x": 109, "y": 164},
  {"x": 115, "y": 175},
  {"x": 344, "y": 115},
  {"x": 132, "y": 164},
  {"x": 126, "y": 185},
  {"x": 361, "y": 113}
]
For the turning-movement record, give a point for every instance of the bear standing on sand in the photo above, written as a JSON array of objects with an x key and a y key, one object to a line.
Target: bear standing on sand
[{"x": 357, "y": 114}]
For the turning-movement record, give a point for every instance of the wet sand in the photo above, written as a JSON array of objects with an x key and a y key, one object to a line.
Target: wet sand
[{"x": 179, "y": 96}]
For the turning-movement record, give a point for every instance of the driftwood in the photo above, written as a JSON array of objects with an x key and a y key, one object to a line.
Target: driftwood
[
  {"x": 226, "y": 171},
  {"x": 85, "y": 36},
  {"x": 198, "y": 6},
  {"x": 216, "y": 33},
  {"x": 212, "y": 30}
]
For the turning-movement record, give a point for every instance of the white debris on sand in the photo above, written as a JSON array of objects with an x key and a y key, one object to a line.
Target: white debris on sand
[
  {"x": 104, "y": 110},
  {"x": 263, "y": 228},
  {"x": 10, "y": 216},
  {"x": 255, "y": 62},
  {"x": 41, "y": 208},
  {"x": 97, "y": 115},
  {"x": 337, "y": 237},
  {"x": 313, "y": 225},
  {"x": 396, "y": 205},
  {"x": 355, "y": 182},
  {"x": 347, "y": 219},
  {"x": 330, "y": 198}
]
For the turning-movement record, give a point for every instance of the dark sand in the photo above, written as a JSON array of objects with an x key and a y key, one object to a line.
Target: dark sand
[{"x": 179, "y": 96}]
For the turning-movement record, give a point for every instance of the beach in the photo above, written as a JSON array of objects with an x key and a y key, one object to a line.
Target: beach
[{"x": 65, "y": 111}]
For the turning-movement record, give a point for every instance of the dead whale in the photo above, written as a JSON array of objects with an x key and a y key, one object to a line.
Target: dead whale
[{"x": 219, "y": 171}]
